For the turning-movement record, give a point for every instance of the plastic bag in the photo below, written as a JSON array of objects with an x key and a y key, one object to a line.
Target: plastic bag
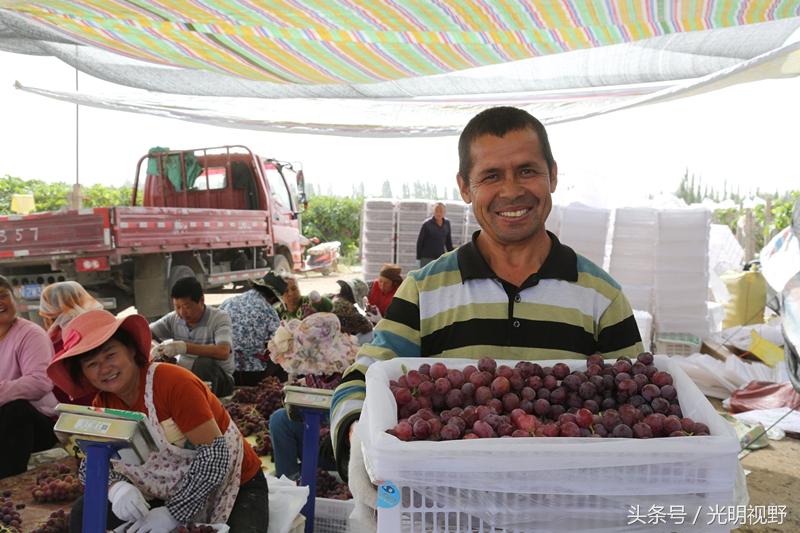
[
  {"x": 286, "y": 500},
  {"x": 764, "y": 395}
]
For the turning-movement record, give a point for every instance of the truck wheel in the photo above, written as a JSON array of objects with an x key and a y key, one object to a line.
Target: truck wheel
[
  {"x": 281, "y": 265},
  {"x": 178, "y": 272}
]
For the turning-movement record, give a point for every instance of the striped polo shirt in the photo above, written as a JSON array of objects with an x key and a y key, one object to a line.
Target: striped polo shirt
[{"x": 456, "y": 306}]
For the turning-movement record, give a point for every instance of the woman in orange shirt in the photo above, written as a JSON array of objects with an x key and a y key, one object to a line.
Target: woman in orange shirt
[{"x": 204, "y": 471}]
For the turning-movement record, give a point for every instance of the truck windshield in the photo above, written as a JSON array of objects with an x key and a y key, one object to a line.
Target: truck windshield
[
  {"x": 277, "y": 186},
  {"x": 291, "y": 181}
]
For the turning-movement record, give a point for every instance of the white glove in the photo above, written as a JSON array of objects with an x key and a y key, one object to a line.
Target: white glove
[
  {"x": 374, "y": 314},
  {"x": 127, "y": 501},
  {"x": 364, "y": 492},
  {"x": 172, "y": 348},
  {"x": 158, "y": 520}
]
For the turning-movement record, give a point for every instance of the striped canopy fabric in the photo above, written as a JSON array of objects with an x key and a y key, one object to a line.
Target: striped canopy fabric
[{"x": 346, "y": 42}]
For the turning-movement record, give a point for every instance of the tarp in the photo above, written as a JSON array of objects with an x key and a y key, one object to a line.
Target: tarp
[
  {"x": 566, "y": 59},
  {"x": 342, "y": 41},
  {"x": 417, "y": 117}
]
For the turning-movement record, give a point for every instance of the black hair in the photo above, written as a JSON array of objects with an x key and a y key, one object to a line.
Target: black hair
[
  {"x": 498, "y": 121},
  {"x": 5, "y": 284},
  {"x": 122, "y": 336},
  {"x": 268, "y": 294},
  {"x": 347, "y": 293},
  {"x": 187, "y": 287}
]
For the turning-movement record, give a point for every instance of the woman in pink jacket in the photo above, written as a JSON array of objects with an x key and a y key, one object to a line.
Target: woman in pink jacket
[{"x": 27, "y": 404}]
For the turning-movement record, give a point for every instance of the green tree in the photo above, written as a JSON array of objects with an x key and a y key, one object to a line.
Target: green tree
[
  {"x": 332, "y": 218},
  {"x": 53, "y": 196},
  {"x": 386, "y": 190},
  {"x": 101, "y": 196}
]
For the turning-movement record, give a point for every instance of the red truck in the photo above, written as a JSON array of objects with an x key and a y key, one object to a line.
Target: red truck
[{"x": 222, "y": 214}]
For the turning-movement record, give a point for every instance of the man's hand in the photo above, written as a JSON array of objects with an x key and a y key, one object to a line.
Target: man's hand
[
  {"x": 172, "y": 348},
  {"x": 127, "y": 502},
  {"x": 158, "y": 520}
]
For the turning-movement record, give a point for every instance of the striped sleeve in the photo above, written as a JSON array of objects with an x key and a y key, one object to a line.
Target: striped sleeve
[
  {"x": 618, "y": 333},
  {"x": 397, "y": 335}
]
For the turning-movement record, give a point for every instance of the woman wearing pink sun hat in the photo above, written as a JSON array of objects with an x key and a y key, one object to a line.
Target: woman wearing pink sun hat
[{"x": 204, "y": 470}]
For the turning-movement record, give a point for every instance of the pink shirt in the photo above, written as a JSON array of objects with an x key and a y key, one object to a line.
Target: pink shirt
[{"x": 25, "y": 353}]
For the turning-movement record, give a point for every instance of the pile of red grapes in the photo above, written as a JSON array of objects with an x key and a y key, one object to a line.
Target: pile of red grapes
[
  {"x": 329, "y": 487},
  {"x": 621, "y": 399},
  {"x": 57, "y": 522},
  {"x": 9, "y": 514},
  {"x": 246, "y": 417},
  {"x": 194, "y": 528}
]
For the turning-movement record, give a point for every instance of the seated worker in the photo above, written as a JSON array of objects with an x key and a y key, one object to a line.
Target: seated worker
[
  {"x": 293, "y": 305},
  {"x": 26, "y": 398},
  {"x": 204, "y": 471},
  {"x": 200, "y": 336},
  {"x": 321, "y": 348},
  {"x": 59, "y": 303},
  {"x": 383, "y": 288},
  {"x": 345, "y": 306},
  {"x": 254, "y": 321}
]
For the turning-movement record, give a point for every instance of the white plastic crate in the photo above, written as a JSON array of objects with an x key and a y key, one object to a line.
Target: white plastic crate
[
  {"x": 378, "y": 225},
  {"x": 379, "y": 258},
  {"x": 415, "y": 206},
  {"x": 332, "y": 516},
  {"x": 676, "y": 344},
  {"x": 409, "y": 226},
  {"x": 545, "y": 484}
]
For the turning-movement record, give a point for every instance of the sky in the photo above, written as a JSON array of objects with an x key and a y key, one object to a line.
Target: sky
[{"x": 743, "y": 135}]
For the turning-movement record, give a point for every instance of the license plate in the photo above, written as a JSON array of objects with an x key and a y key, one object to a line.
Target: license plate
[{"x": 31, "y": 291}]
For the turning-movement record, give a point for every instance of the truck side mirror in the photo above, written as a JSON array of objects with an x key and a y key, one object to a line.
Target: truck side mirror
[{"x": 301, "y": 190}]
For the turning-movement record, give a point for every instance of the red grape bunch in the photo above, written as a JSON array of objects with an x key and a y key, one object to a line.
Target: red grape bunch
[
  {"x": 57, "y": 522},
  {"x": 620, "y": 399},
  {"x": 194, "y": 528},
  {"x": 246, "y": 417},
  {"x": 57, "y": 483},
  {"x": 9, "y": 513},
  {"x": 57, "y": 490},
  {"x": 245, "y": 395},
  {"x": 329, "y": 487},
  {"x": 270, "y": 396},
  {"x": 263, "y": 443}
]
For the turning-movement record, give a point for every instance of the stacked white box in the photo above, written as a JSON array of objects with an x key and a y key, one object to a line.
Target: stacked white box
[
  {"x": 681, "y": 271},
  {"x": 633, "y": 251},
  {"x": 585, "y": 230},
  {"x": 472, "y": 223},
  {"x": 456, "y": 213},
  {"x": 410, "y": 216},
  {"x": 546, "y": 484},
  {"x": 378, "y": 230},
  {"x": 553, "y": 222}
]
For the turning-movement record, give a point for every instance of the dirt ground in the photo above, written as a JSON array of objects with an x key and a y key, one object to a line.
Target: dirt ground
[{"x": 774, "y": 479}]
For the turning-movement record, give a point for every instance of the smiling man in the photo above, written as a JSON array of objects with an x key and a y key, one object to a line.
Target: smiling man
[{"x": 512, "y": 292}]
